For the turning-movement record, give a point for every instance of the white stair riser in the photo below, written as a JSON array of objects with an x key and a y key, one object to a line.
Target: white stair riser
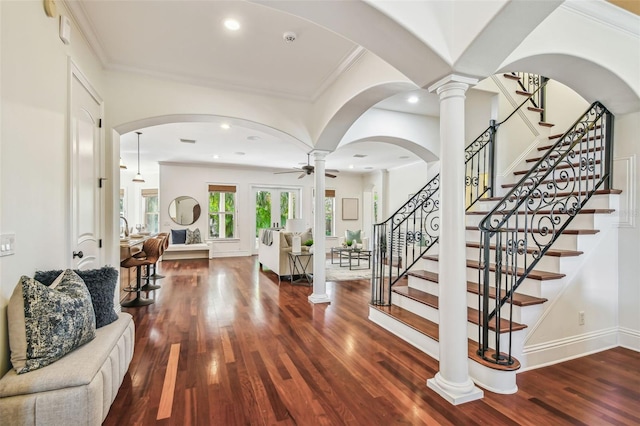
[
  {"x": 424, "y": 285},
  {"x": 472, "y": 302},
  {"x": 415, "y": 307},
  {"x": 529, "y": 286},
  {"x": 564, "y": 241},
  {"x": 408, "y": 334},
  {"x": 599, "y": 201},
  {"x": 580, "y": 221},
  {"x": 547, "y": 263},
  {"x": 432, "y": 314},
  {"x": 522, "y": 314}
]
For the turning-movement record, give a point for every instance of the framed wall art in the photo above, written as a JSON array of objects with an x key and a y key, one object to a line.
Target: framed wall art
[{"x": 349, "y": 209}]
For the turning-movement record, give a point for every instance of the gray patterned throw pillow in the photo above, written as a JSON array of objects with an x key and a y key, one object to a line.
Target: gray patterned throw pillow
[
  {"x": 193, "y": 237},
  {"x": 46, "y": 323}
]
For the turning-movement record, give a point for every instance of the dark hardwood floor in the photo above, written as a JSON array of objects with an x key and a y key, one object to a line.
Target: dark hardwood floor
[{"x": 225, "y": 345}]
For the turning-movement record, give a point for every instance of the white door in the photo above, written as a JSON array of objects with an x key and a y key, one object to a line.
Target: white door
[{"x": 86, "y": 197}]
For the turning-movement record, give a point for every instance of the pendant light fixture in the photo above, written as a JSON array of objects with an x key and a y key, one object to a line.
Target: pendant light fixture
[
  {"x": 138, "y": 177},
  {"x": 122, "y": 165}
]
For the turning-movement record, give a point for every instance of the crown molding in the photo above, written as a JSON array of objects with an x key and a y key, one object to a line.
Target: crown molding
[{"x": 605, "y": 13}]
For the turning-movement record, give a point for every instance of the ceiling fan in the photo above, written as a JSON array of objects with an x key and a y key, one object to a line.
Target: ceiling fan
[{"x": 308, "y": 169}]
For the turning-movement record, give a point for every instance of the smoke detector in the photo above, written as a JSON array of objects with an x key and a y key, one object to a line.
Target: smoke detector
[{"x": 289, "y": 36}]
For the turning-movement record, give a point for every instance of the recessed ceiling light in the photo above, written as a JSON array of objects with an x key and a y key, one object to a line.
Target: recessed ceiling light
[
  {"x": 225, "y": 126},
  {"x": 239, "y": 153},
  {"x": 216, "y": 156},
  {"x": 413, "y": 99},
  {"x": 232, "y": 24},
  {"x": 351, "y": 166}
]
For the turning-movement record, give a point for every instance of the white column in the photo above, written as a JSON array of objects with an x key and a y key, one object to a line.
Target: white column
[
  {"x": 319, "y": 251},
  {"x": 452, "y": 382}
]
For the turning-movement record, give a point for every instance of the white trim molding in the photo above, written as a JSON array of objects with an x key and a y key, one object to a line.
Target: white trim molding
[
  {"x": 565, "y": 349},
  {"x": 629, "y": 338},
  {"x": 624, "y": 178}
]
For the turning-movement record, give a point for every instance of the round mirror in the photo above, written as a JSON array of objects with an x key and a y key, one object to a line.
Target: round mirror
[{"x": 184, "y": 210}]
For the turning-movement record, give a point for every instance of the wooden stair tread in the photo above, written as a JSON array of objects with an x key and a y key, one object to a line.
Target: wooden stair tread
[
  {"x": 430, "y": 329},
  {"x": 561, "y": 166},
  {"x": 572, "y": 179},
  {"x": 582, "y": 211},
  {"x": 417, "y": 295},
  {"x": 534, "y": 109},
  {"x": 511, "y": 76},
  {"x": 536, "y": 231},
  {"x": 518, "y": 299},
  {"x": 584, "y": 139},
  {"x": 582, "y": 151},
  {"x": 545, "y": 124},
  {"x": 550, "y": 252},
  {"x": 523, "y": 93},
  {"x": 599, "y": 126},
  {"x": 564, "y": 194},
  {"x": 534, "y": 274},
  {"x": 418, "y": 323},
  {"x": 472, "y": 314}
]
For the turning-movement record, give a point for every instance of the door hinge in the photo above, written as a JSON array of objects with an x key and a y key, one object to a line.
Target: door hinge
[
  {"x": 100, "y": 123},
  {"x": 100, "y": 243},
  {"x": 100, "y": 182}
]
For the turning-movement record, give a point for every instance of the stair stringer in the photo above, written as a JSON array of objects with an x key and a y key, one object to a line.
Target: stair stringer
[{"x": 591, "y": 286}]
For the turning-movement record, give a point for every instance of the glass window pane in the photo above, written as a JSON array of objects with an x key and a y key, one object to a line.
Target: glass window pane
[
  {"x": 228, "y": 225},
  {"x": 214, "y": 226},
  {"x": 263, "y": 210},
  {"x": 328, "y": 214}
]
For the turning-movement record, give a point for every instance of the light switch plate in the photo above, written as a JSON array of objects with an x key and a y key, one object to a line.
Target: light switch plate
[{"x": 7, "y": 244}]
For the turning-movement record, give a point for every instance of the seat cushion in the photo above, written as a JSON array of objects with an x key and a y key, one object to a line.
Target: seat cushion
[{"x": 77, "y": 368}]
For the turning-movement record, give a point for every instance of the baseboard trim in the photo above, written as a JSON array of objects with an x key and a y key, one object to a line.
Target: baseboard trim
[
  {"x": 629, "y": 339},
  {"x": 243, "y": 253},
  {"x": 560, "y": 350}
]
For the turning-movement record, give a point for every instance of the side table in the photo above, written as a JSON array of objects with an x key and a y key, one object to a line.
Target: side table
[{"x": 298, "y": 265}]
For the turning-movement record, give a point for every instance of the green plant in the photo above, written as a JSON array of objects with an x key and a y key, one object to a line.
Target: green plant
[
  {"x": 349, "y": 243},
  {"x": 308, "y": 243}
]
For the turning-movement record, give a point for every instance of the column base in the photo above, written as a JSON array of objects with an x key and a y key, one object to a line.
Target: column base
[
  {"x": 455, "y": 393},
  {"x": 319, "y": 298}
]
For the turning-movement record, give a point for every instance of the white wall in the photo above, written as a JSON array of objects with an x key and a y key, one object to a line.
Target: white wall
[
  {"x": 403, "y": 181},
  {"x": 591, "y": 287},
  {"x": 34, "y": 165},
  {"x": 177, "y": 180}
]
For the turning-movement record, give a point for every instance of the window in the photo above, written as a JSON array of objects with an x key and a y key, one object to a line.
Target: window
[
  {"x": 330, "y": 212},
  {"x": 222, "y": 211},
  {"x": 150, "y": 200}
]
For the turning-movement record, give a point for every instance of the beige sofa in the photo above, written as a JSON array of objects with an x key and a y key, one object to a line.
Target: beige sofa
[
  {"x": 275, "y": 256},
  {"x": 78, "y": 389}
]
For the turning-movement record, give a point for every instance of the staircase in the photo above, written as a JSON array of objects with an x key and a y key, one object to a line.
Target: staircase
[{"x": 521, "y": 246}]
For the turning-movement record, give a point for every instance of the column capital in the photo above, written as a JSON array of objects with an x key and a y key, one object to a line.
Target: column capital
[
  {"x": 319, "y": 154},
  {"x": 451, "y": 81}
]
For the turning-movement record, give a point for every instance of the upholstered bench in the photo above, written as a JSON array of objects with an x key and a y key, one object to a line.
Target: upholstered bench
[
  {"x": 187, "y": 251},
  {"x": 78, "y": 389}
]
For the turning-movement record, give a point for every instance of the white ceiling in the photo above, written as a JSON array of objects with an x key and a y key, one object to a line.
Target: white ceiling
[{"x": 187, "y": 41}]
